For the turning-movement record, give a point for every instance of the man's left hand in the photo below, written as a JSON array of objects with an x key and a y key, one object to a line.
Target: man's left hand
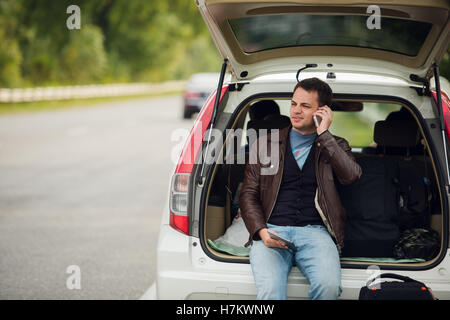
[{"x": 327, "y": 117}]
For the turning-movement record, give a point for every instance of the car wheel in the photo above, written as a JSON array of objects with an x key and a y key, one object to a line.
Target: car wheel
[{"x": 187, "y": 114}]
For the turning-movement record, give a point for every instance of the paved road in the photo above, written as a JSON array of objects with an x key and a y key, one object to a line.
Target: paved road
[{"x": 84, "y": 187}]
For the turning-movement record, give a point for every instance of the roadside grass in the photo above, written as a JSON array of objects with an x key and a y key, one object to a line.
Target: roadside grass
[{"x": 21, "y": 107}]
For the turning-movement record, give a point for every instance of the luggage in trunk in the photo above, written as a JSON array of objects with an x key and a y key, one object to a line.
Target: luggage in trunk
[{"x": 372, "y": 210}]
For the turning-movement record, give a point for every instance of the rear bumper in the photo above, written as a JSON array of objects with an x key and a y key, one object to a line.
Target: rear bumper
[
  {"x": 184, "y": 271},
  {"x": 191, "y": 108},
  {"x": 194, "y": 104}
]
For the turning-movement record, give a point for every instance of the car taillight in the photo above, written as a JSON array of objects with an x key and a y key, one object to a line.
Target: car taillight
[
  {"x": 445, "y": 110},
  {"x": 188, "y": 95},
  {"x": 178, "y": 202}
]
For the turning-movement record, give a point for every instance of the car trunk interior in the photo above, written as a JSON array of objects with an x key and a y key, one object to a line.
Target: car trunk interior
[{"x": 369, "y": 126}]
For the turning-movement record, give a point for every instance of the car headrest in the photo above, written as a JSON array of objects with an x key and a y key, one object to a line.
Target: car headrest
[
  {"x": 396, "y": 132},
  {"x": 270, "y": 122},
  {"x": 263, "y": 108}
]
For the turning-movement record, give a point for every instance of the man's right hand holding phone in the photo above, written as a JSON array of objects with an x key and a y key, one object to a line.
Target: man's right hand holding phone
[{"x": 325, "y": 116}]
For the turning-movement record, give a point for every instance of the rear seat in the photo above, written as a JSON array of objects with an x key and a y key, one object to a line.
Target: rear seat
[
  {"x": 398, "y": 161},
  {"x": 223, "y": 203},
  {"x": 269, "y": 118},
  {"x": 398, "y": 135},
  {"x": 405, "y": 147}
]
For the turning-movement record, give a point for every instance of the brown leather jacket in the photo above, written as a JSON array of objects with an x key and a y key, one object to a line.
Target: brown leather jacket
[{"x": 333, "y": 158}]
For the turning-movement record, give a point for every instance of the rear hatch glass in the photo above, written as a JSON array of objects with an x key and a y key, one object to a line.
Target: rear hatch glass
[
  {"x": 278, "y": 31},
  {"x": 393, "y": 38}
]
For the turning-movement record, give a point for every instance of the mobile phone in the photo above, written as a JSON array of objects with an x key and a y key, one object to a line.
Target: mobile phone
[
  {"x": 317, "y": 120},
  {"x": 287, "y": 242}
]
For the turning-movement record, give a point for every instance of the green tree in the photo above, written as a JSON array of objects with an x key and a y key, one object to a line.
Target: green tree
[
  {"x": 10, "y": 60},
  {"x": 10, "y": 53},
  {"x": 83, "y": 59},
  {"x": 444, "y": 67},
  {"x": 119, "y": 40}
]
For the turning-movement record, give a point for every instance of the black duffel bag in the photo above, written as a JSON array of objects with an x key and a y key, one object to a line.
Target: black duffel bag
[{"x": 406, "y": 289}]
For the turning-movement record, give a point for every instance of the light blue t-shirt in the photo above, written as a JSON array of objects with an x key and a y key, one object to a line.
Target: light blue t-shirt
[{"x": 301, "y": 145}]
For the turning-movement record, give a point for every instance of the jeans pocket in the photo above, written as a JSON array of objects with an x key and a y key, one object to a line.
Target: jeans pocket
[{"x": 283, "y": 231}]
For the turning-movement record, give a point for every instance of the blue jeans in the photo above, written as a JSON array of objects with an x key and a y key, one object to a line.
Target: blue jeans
[{"x": 317, "y": 259}]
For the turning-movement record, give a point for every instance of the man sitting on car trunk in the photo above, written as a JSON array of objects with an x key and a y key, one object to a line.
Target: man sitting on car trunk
[{"x": 299, "y": 202}]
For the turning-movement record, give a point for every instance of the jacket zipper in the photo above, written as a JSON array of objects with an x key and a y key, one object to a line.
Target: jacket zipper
[
  {"x": 325, "y": 220},
  {"x": 278, "y": 189},
  {"x": 274, "y": 202}
]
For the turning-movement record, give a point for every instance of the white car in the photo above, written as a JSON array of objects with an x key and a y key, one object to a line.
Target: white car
[{"x": 372, "y": 72}]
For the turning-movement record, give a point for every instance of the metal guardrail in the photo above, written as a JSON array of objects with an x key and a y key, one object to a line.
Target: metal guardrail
[{"x": 87, "y": 91}]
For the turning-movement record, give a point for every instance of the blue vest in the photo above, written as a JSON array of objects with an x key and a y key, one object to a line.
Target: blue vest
[{"x": 295, "y": 202}]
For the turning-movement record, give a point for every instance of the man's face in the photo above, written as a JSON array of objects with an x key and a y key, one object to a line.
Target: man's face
[{"x": 303, "y": 106}]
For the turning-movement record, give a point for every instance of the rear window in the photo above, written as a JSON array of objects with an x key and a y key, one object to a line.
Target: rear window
[
  {"x": 298, "y": 29},
  {"x": 356, "y": 127}
]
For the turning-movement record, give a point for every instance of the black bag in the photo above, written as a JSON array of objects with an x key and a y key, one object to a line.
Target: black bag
[
  {"x": 406, "y": 289},
  {"x": 418, "y": 243},
  {"x": 372, "y": 210},
  {"x": 414, "y": 197}
]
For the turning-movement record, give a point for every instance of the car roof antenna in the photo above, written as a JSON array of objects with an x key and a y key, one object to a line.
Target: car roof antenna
[
  {"x": 213, "y": 117},
  {"x": 308, "y": 65}
]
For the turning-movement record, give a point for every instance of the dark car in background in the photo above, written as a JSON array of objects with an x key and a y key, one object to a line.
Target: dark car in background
[{"x": 197, "y": 91}]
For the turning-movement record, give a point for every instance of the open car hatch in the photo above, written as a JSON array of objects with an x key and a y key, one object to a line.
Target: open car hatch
[{"x": 393, "y": 39}]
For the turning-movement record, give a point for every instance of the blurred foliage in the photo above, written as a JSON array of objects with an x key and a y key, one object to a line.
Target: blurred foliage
[
  {"x": 84, "y": 58},
  {"x": 10, "y": 53},
  {"x": 119, "y": 41},
  {"x": 444, "y": 66}
]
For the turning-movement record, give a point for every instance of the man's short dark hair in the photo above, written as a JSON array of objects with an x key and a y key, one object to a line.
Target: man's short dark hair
[{"x": 324, "y": 92}]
